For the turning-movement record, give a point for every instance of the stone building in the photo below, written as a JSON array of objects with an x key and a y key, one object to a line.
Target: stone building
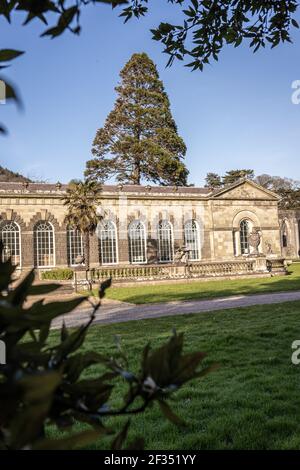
[
  {"x": 148, "y": 226},
  {"x": 290, "y": 233}
]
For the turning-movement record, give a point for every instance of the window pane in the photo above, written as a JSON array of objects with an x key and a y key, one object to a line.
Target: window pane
[
  {"x": 108, "y": 243},
  {"x": 75, "y": 246},
  {"x": 244, "y": 237},
  {"x": 165, "y": 241},
  {"x": 284, "y": 235},
  {"x": 191, "y": 240},
  {"x": 137, "y": 242},
  {"x": 44, "y": 244},
  {"x": 10, "y": 236}
]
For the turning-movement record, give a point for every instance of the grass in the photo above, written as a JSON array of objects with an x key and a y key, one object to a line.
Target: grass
[
  {"x": 251, "y": 402},
  {"x": 144, "y": 294}
]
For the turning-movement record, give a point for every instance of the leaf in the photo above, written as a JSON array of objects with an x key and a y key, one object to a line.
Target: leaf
[
  {"x": 169, "y": 414},
  {"x": 3, "y": 130},
  {"x": 76, "y": 441},
  {"x": 77, "y": 363},
  {"x": 12, "y": 94},
  {"x": 103, "y": 286},
  {"x": 40, "y": 386},
  {"x": 19, "y": 295},
  {"x": 64, "y": 332},
  {"x": 9, "y": 54},
  {"x": 120, "y": 438},
  {"x": 137, "y": 444},
  {"x": 44, "y": 332}
]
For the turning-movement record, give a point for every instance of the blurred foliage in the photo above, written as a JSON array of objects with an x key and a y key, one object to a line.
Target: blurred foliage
[
  {"x": 59, "y": 274},
  {"x": 42, "y": 384}
]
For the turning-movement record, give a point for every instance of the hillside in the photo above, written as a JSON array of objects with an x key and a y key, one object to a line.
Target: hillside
[{"x": 10, "y": 176}]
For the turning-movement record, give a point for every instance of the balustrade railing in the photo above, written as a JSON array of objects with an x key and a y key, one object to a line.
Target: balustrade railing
[{"x": 172, "y": 271}]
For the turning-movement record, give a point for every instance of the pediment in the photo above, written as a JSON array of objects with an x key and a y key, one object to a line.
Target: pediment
[{"x": 246, "y": 190}]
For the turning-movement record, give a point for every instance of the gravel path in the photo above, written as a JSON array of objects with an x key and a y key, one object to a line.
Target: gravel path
[{"x": 115, "y": 312}]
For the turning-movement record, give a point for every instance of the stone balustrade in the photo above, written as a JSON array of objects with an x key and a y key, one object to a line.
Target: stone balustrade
[{"x": 190, "y": 271}]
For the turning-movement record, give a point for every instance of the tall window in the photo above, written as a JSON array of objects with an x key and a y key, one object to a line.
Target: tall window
[
  {"x": 75, "y": 246},
  {"x": 165, "y": 241},
  {"x": 10, "y": 236},
  {"x": 108, "y": 243},
  {"x": 191, "y": 240},
  {"x": 284, "y": 235},
  {"x": 44, "y": 245},
  {"x": 244, "y": 237},
  {"x": 137, "y": 242}
]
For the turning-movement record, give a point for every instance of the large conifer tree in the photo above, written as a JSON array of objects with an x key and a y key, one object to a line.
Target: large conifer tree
[{"x": 139, "y": 140}]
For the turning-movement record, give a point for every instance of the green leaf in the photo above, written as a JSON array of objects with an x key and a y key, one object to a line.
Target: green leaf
[
  {"x": 169, "y": 414},
  {"x": 40, "y": 386},
  {"x": 76, "y": 441},
  {"x": 120, "y": 438},
  {"x": 105, "y": 285},
  {"x": 20, "y": 293},
  {"x": 9, "y": 54}
]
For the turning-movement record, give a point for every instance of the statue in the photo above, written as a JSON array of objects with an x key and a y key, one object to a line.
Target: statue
[
  {"x": 79, "y": 260},
  {"x": 269, "y": 248},
  {"x": 181, "y": 255},
  {"x": 254, "y": 241}
]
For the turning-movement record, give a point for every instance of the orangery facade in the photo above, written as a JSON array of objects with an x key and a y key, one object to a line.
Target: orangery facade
[{"x": 146, "y": 225}]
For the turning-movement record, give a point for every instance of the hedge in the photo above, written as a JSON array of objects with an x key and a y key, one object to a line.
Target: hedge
[{"x": 58, "y": 274}]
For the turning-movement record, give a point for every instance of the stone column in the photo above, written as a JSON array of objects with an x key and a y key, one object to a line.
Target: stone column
[
  {"x": 236, "y": 241},
  {"x": 61, "y": 251},
  {"x": 27, "y": 250}
]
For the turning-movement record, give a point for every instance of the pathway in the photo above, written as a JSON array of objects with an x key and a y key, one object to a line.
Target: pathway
[{"x": 115, "y": 311}]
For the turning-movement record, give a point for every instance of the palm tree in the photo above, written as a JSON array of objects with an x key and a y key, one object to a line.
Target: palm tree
[{"x": 81, "y": 200}]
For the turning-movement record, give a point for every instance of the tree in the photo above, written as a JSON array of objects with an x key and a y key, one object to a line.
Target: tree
[
  {"x": 57, "y": 381},
  {"x": 81, "y": 202},
  {"x": 139, "y": 140},
  {"x": 206, "y": 27},
  {"x": 235, "y": 175},
  {"x": 275, "y": 183},
  {"x": 287, "y": 188},
  {"x": 213, "y": 181}
]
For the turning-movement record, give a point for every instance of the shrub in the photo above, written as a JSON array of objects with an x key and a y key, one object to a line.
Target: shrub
[
  {"x": 59, "y": 274},
  {"x": 42, "y": 384}
]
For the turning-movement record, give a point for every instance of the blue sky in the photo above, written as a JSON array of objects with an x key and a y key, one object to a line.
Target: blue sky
[{"x": 236, "y": 114}]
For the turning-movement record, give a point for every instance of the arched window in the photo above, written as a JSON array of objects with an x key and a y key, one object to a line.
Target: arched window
[
  {"x": 10, "y": 236},
  {"x": 244, "y": 237},
  {"x": 284, "y": 235},
  {"x": 44, "y": 245},
  {"x": 108, "y": 243},
  {"x": 75, "y": 246},
  {"x": 137, "y": 242},
  {"x": 165, "y": 241},
  {"x": 191, "y": 240}
]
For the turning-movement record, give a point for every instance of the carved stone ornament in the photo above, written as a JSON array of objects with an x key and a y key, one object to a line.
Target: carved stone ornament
[
  {"x": 181, "y": 255},
  {"x": 255, "y": 240}
]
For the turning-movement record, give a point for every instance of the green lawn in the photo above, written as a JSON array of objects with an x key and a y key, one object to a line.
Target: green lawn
[
  {"x": 143, "y": 294},
  {"x": 251, "y": 402}
]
